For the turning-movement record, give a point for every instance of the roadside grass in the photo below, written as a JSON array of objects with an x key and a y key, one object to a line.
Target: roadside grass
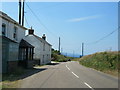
[
  {"x": 76, "y": 59},
  {"x": 106, "y": 62},
  {"x": 11, "y": 80},
  {"x": 0, "y": 85},
  {"x": 58, "y": 57}
]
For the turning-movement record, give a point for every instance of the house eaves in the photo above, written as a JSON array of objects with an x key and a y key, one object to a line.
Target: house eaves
[{"x": 6, "y": 17}]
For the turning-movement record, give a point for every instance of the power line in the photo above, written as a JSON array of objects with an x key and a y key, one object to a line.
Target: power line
[
  {"x": 104, "y": 37},
  {"x": 27, "y": 22},
  {"x": 39, "y": 20}
]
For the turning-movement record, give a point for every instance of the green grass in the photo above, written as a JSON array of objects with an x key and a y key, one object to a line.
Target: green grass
[
  {"x": 56, "y": 56},
  {"x": 103, "y": 61},
  {"x": 10, "y": 80},
  {"x": 60, "y": 58}
]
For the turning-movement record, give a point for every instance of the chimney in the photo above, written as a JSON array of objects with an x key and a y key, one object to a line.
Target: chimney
[
  {"x": 31, "y": 31},
  {"x": 19, "y": 11},
  {"x": 44, "y": 37}
]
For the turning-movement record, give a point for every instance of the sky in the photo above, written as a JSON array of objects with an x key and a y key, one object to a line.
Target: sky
[{"x": 74, "y": 22}]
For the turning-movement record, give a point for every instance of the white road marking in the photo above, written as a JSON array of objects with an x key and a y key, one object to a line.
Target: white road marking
[
  {"x": 75, "y": 74},
  {"x": 88, "y": 85},
  {"x": 67, "y": 67}
]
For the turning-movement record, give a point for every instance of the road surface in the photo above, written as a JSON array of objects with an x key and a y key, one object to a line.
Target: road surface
[{"x": 69, "y": 75}]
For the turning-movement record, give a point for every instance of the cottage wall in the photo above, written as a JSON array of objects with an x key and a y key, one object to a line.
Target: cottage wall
[
  {"x": 47, "y": 53},
  {"x": 41, "y": 52},
  {"x": 37, "y": 44},
  {"x": 10, "y": 29},
  {"x": 10, "y": 46}
]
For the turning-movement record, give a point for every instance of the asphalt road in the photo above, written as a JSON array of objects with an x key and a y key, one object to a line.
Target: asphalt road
[{"x": 69, "y": 75}]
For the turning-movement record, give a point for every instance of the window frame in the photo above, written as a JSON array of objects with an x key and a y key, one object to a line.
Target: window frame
[
  {"x": 4, "y": 31},
  {"x": 15, "y": 33}
]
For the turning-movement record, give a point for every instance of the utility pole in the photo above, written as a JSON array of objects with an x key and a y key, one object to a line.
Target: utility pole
[
  {"x": 23, "y": 13},
  {"x": 19, "y": 11},
  {"x": 61, "y": 50},
  {"x": 82, "y": 49},
  {"x": 59, "y": 45}
]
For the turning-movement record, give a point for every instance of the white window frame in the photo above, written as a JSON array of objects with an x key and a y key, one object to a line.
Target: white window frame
[
  {"x": 43, "y": 46},
  {"x": 15, "y": 33},
  {"x": 3, "y": 29}
]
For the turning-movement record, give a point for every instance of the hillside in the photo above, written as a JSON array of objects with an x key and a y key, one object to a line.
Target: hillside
[
  {"x": 103, "y": 61},
  {"x": 56, "y": 56}
]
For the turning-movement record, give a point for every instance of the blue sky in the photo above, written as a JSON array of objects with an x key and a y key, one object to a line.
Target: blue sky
[{"x": 74, "y": 22}]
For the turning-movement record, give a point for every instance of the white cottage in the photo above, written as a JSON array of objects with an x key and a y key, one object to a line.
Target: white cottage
[
  {"x": 11, "y": 34},
  {"x": 42, "y": 50},
  {"x": 12, "y": 29}
]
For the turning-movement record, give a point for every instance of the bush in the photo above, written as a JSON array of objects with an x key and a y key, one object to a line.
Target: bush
[{"x": 56, "y": 56}]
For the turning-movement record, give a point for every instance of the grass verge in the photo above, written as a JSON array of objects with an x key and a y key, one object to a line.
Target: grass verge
[
  {"x": 106, "y": 62},
  {"x": 11, "y": 80}
]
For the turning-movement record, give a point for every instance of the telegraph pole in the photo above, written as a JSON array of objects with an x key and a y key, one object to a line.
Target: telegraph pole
[
  {"x": 59, "y": 45},
  {"x": 23, "y": 13},
  {"x": 61, "y": 50},
  {"x": 82, "y": 49},
  {"x": 19, "y": 11}
]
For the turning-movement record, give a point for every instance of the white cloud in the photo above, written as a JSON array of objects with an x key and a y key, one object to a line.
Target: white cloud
[{"x": 83, "y": 18}]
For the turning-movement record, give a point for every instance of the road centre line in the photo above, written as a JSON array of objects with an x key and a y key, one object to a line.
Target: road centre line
[
  {"x": 75, "y": 74},
  {"x": 88, "y": 85},
  {"x": 67, "y": 67},
  {"x": 78, "y": 77},
  {"x": 72, "y": 72}
]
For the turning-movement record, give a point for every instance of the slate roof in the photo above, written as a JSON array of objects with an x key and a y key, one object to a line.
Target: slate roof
[
  {"x": 6, "y": 17},
  {"x": 39, "y": 38},
  {"x": 25, "y": 44}
]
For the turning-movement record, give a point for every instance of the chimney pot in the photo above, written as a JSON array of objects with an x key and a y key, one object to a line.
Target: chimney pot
[
  {"x": 44, "y": 37},
  {"x": 31, "y": 31}
]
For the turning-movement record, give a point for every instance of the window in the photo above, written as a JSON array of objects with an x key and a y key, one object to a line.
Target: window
[
  {"x": 43, "y": 46},
  {"x": 3, "y": 29},
  {"x": 43, "y": 59},
  {"x": 49, "y": 48},
  {"x": 15, "y": 33}
]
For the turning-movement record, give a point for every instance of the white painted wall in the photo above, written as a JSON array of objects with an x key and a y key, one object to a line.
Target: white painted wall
[
  {"x": 38, "y": 50},
  {"x": 10, "y": 29}
]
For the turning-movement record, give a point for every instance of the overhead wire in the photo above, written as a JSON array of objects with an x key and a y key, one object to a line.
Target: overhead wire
[
  {"x": 40, "y": 20},
  {"x": 27, "y": 22},
  {"x": 104, "y": 37}
]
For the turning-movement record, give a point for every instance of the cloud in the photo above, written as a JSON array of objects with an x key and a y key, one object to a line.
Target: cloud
[{"x": 83, "y": 18}]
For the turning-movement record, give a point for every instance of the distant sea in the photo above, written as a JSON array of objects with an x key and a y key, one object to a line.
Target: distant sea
[{"x": 71, "y": 55}]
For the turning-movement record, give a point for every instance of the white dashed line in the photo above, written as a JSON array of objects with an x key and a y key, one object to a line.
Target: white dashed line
[
  {"x": 88, "y": 85},
  {"x": 78, "y": 77},
  {"x": 67, "y": 67},
  {"x": 75, "y": 74}
]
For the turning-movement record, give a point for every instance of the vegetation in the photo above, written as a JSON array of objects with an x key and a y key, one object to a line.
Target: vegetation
[
  {"x": 56, "y": 56},
  {"x": 103, "y": 61},
  {"x": 11, "y": 79}
]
